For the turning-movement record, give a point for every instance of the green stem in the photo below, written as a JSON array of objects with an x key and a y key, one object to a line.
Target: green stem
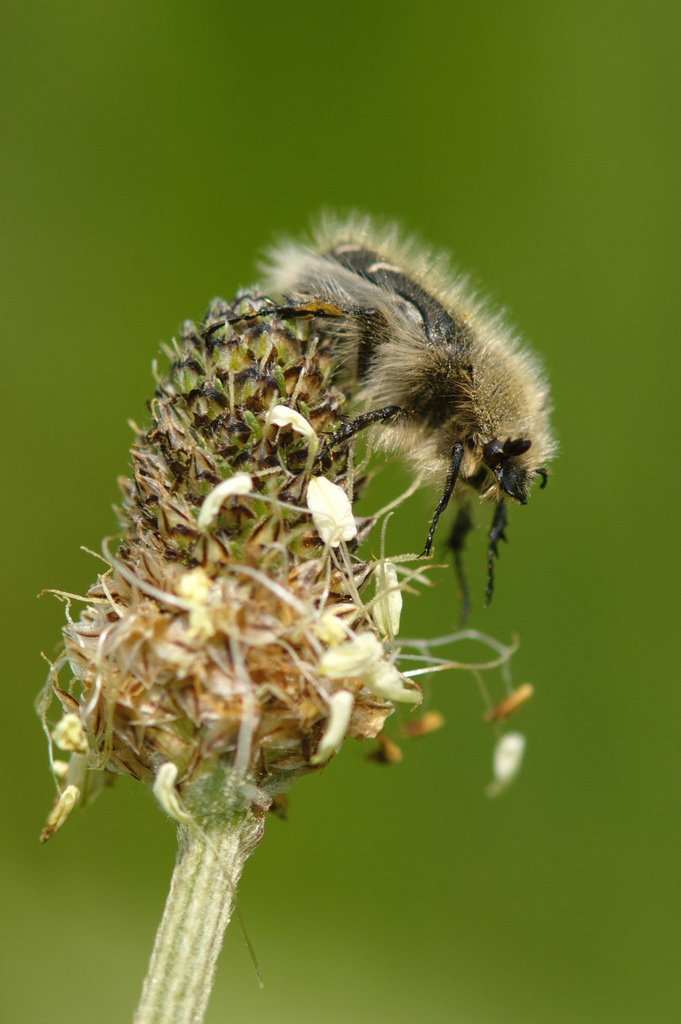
[{"x": 198, "y": 909}]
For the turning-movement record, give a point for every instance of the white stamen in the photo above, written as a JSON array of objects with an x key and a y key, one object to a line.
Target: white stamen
[
  {"x": 340, "y": 710},
  {"x": 385, "y": 681},
  {"x": 194, "y": 586},
  {"x": 69, "y": 734},
  {"x": 508, "y": 757},
  {"x": 330, "y": 629},
  {"x": 62, "y": 808},
  {"x": 202, "y": 626},
  {"x": 331, "y": 511},
  {"x": 364, "y": 658},
  {"x": 352, "y": 657},
  {"x": 240, "y": 483},
  {"x": 388, "y": 606},
  {"x": 282, "y": 416},
  {"x": 166, "y": 794}
]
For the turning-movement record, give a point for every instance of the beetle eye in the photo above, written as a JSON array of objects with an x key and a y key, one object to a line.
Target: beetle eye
[
  {"x": 493, "y": 453},
  {"x": 517, "y": 447}
]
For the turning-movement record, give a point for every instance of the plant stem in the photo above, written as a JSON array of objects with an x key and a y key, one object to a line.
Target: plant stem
[{"x": 198, "y": 909}]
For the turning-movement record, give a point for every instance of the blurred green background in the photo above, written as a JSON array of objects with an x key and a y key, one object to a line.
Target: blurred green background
[{"x": 151, "y": 150}]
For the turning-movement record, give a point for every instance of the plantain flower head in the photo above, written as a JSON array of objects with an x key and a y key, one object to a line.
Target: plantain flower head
[{"x": 229, "y": 625}]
